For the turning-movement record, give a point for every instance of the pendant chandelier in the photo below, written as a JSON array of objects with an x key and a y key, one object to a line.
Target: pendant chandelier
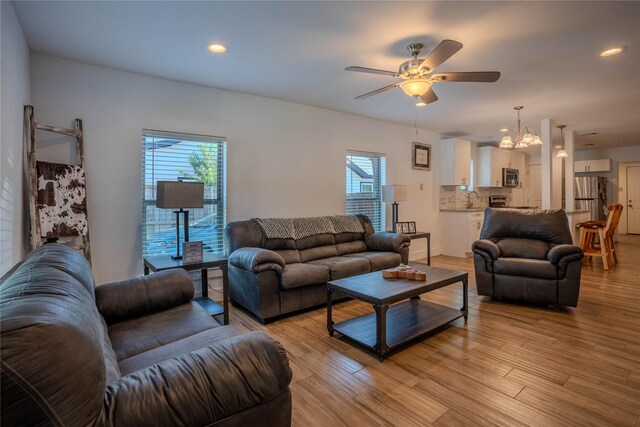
[
  {"x": 523, "y": 136},
  {"x": 562, "y": 152}
]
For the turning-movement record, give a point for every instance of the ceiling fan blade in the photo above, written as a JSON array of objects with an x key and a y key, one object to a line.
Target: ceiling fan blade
[
  {"x": 377, "y": 91},
  {"x": 445, "y": 50},
  {"x": 429, "y": 97},
  {"x": 372, "y": 71},
  {"x": 467, "y": 76}
]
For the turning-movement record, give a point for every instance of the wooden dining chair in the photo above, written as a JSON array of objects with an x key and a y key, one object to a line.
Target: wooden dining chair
[{"x": 604, "y": 230}]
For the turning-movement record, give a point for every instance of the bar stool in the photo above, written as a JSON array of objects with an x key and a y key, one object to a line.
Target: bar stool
[{"x": 604, "y": 230}]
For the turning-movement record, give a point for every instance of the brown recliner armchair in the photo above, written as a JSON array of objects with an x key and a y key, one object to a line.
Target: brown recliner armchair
[
  {"x": 134, "y": 353},
  {"x": 528, "y": 256}
]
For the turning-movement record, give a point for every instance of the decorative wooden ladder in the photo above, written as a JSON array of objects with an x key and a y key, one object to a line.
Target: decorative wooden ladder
[{"x": 30, "y": 127}]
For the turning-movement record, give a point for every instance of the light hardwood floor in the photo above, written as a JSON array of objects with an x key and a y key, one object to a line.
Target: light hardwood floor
[{"x": 509, "y": 364}]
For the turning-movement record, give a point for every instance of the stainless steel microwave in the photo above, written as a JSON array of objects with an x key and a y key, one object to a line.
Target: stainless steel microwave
[{"x": 510, "y": 177}]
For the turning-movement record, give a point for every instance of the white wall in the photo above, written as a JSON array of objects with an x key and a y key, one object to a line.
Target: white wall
[
  {"x": 284, "y": 159},
  {"x": 14, "y": 94}
]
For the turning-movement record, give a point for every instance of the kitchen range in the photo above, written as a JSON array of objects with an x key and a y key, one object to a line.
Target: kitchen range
[{"x": 500, "y": 201}]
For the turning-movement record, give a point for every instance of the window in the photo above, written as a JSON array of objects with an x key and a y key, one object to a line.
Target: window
[
  {"x": 168, "y": 156},
  {"x": 365, "y": 174}
]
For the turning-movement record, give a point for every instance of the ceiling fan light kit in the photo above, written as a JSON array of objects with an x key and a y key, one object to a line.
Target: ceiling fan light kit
[
  {"x": 416, "y": 73},
  {"x": 416, "y": 87},
  {"x": 523, "y": 136}
]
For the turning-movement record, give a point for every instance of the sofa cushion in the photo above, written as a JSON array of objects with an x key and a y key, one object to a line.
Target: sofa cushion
[
  {"x": 348, "y": 237},
  {"x": 351, "y": 247},
  {"x": 512, "y": 247},
  {"x": 342, "y": 267},
  {"x": 289, "y": 256},
  {"x": 315, "y": 241},
  {"x": 279, "y": 244},
  {"x": 175, "y": 349},
  {"x": 318, "y": 252},
  {"x": 379, "y": 260},
  {"x": 135, "y": 336},
  {"x": 525, "y": 267},
  {"x": 303, "y": 274}
]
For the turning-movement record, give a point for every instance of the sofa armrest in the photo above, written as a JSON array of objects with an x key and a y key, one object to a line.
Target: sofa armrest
[
  {"x": 562, "y": 255},
  {"x": 201, "y": 387},
  {"x": 487, "y": 249},
  {"x": 387, "y": 242},
  {"x": 142, "y": 295},
  {"x": 257, "y": 260}
]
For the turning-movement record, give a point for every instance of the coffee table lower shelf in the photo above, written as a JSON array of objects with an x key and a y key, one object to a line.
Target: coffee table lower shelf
[{"x": 405, "y": 322}]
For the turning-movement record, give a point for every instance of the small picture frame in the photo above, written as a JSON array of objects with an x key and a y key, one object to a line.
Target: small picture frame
[
  {"x": 405, "y": 227},
  {"x": 420, "y": 156},
  {"x": 412, "y": 227},
  {"x": 398, "y": 228},
  {"x": 192, "y": 252}
]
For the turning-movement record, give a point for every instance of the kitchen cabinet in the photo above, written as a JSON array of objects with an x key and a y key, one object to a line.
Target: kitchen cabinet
[
  {"x": 455, "y": 162},
  {"x": 489, "y": 167},
  {"x": 601, "y": 165},
  {"x": 521, "y": 165},
  {"x": 508, "y": 159},
  {"x": 461, "y": 229},
  {"x": 491, "y": 160}
]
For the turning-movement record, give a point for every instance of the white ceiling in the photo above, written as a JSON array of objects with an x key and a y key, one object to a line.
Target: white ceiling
[{"x": 547, "y": 53}]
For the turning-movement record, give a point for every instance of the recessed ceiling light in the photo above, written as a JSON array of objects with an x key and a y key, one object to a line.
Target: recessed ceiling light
[
  {"x": 217, "y": 48},
  {"x": 420, "y": 104},
  {"x": 613, "y": 51},
  {"x": 504, "y": 130}
]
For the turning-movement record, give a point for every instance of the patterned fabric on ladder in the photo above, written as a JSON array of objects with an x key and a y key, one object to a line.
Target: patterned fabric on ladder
[{"x": 62, "y": 200}]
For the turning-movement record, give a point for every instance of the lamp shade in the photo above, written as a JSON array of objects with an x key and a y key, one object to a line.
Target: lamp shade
[
  {"x": 416, "y": 87},
  {"x": 180, "y": 194},
  {"x": 394, "y": 193}
]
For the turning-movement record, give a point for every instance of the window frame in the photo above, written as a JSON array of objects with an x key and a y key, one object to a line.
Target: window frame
[
  {"x": 378, "y": 219},
  {"x": 219, "y": 203}
]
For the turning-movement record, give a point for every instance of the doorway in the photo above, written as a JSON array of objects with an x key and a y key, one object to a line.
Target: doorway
[
  {"x": 633, "y": 200},
  {"x": 533, "y": 185}
]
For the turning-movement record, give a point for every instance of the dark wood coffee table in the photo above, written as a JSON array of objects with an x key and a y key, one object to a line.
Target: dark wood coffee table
[{"x": 408, "y": 319}]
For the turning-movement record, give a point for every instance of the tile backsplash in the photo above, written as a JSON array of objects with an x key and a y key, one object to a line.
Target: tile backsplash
[{"x": 452, "y": 197}]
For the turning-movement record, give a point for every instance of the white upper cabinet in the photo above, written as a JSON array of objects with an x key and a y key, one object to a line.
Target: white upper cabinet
[
  {"x": 455, "y": 162},
  {"x": 508, "y": 159},
  {"x": 602, "y": 165},
  {"x": 490, "y": 160}
]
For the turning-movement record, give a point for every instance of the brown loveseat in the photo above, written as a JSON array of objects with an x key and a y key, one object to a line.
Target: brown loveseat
[
  {"x": 281, "y": 265},
  {"x": 132, "y": 353}
]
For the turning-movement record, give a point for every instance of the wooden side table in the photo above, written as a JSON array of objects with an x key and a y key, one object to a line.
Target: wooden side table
[
  {"x": 157, "y": 263},
  {"x": 423, "y": 235}
]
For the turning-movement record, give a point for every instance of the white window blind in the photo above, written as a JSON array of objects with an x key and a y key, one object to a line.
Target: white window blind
[
  {"x": 169, "y": 156},
  {"x": 365, "y": 173}
]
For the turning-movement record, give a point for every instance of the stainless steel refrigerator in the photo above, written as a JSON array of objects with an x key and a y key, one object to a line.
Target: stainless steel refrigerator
[{"x": 591, "y": 194}]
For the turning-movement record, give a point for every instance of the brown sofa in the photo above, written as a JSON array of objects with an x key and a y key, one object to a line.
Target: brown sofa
[
  {"x": 279, "y": 266},
  {"x": 131, "y": 353}
]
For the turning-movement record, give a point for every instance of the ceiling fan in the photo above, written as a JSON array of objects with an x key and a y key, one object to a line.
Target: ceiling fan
[{"x": 417, "y": 77}]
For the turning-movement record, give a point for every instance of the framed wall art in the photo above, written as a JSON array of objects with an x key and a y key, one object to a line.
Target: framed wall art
[{"x": 420, "y": 156}]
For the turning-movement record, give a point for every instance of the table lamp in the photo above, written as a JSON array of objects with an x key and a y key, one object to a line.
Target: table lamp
[
  {"x": 180, "y": 195},
  {"x": 394, "y": 194}
]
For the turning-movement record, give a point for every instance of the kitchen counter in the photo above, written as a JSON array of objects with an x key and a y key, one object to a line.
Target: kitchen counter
[{"x": 464, "y": 210}]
